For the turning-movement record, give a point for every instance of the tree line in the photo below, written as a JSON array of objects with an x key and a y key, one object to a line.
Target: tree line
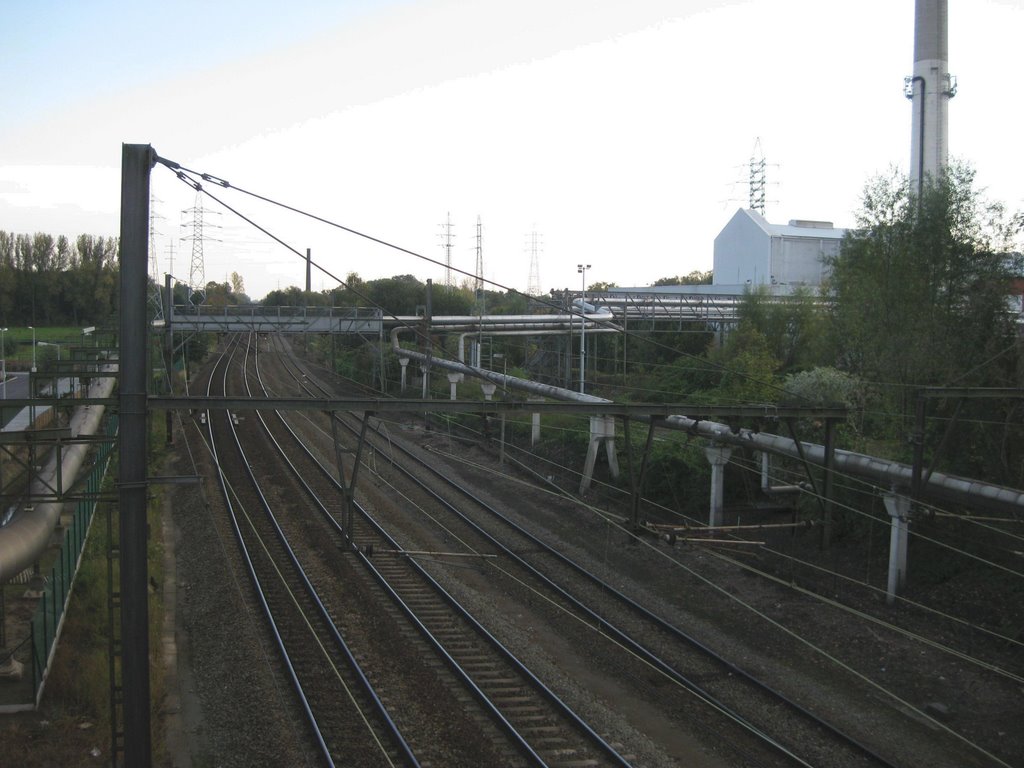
[
  {"x": 402, "y": 295},
  {"x": 47, "y": 280}
]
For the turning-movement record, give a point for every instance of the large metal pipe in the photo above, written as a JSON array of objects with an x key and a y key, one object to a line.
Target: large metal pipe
[
  {"x": 504, "y": 320},
  {"x": 24, "y": 539},
  {"x": 519, "y": 332},
  {"x": 887, "y": 473}
]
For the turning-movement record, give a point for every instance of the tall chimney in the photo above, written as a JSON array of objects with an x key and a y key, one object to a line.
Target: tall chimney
[{"x": 930, "y": 88}]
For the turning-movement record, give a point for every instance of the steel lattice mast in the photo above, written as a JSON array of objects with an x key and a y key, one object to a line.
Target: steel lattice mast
[
  {"x": 198, "y": 236},
  {"x": 446, "y": 243},
  {"x": 534, "y": 245},
  {"x": 156, "y": 304},
  {"x": 479, "y": 287}
]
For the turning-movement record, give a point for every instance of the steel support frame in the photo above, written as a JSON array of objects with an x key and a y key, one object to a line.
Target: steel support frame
[
  {"x": 137, "y": 160},
  {"x": 824, "y": 496},
  {"x": 637, "y": 483},
  {"x": 348, "y": 487}
]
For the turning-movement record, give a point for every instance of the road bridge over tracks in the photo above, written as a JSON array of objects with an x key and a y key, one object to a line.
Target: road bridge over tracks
[{"x": 261, "y": 319}]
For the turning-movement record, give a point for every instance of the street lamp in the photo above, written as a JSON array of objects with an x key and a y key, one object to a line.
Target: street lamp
[
  {"x": 582, "y": 269},
  {"x": 31, "y": 328},
  {"x": 3, "y": 361}
]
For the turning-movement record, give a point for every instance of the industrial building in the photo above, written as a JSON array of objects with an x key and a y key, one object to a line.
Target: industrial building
[{"x": 750, "y": 251}]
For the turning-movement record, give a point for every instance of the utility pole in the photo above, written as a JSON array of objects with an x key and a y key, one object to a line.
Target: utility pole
[{"x": 582, "y": 269}]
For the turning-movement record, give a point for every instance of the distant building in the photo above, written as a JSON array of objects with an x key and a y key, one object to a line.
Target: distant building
[{"x": 749, "y": 251}]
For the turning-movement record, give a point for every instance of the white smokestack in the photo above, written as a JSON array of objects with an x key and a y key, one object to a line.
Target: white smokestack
[{"x": 930, "y": 88}]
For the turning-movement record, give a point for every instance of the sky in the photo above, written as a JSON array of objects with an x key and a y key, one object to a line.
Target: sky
[{"x": 619, "y": 132}]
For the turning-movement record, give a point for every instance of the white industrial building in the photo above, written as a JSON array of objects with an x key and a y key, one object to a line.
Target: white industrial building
[{"x": 750, "y": 251}]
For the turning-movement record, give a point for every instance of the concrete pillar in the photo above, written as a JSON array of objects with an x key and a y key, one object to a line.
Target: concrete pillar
[
  {"x": 404, "y": 362},
  {"x": 454, "y": 379},
  {"x": 535, "y": 423},
  {"x": 488, "y": 389},
  {"x": 898, "y": 507},
  {"x": 425, "y": 373},
  {"x": 718, "y": 457},
  {"x": 609, "y": 444},
  {"x": 602, "y": 430}
]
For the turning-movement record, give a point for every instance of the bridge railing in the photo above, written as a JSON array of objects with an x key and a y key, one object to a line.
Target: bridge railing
[{"x": 214, "y": 318}]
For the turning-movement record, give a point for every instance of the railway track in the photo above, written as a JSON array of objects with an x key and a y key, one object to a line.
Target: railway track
[
  {"x": 769, "y": 721},
  {"x": 504, "y": 714},
  {"x": 345, "y": 714}
]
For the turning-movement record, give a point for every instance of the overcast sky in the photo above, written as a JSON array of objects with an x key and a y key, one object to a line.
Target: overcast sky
[{"x": 618, "y": 131}]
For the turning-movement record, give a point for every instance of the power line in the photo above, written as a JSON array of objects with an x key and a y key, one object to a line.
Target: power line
[{"x": 192, "y": 178}]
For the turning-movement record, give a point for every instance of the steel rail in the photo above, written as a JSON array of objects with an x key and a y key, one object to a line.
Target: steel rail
[
  {"x": 544, "y": 690},
  {"x": 395, "y": 739},
  {"x": 378, "y": 705},
  {"x": 261, "y": 595},
  {"x": 645, "y": 613}
]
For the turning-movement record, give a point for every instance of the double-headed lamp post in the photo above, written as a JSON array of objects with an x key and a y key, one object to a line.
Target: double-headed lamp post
[{"x": 582, "y": 269}]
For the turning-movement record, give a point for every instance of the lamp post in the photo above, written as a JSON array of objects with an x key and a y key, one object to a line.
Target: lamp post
[
  {"x": 86, "y": 332},
  {"x": 32, "y": 328},
  {"x": 582, "y": 269},
  {"x": 3, "y": 361}
]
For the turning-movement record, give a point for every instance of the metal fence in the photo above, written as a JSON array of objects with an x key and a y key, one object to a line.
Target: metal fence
[{"x": 49, "y": 616}]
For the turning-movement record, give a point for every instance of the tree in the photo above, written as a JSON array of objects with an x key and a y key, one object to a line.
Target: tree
[
  {"x": 792, "y": 325},
  {"x": 696, "y": 277},
  {"x": 747, "y": 367},
  {"x": 398, "y": 295},
  {"x": 918, "y": 291},
  {"x": 8, "y": 279},
  {"x": 93, "y": 293}
]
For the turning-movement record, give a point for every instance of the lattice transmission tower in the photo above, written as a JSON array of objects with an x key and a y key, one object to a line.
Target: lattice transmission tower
[
  {"x": 757, "y": 179},
  {"x": 478, "y": 288},
  {"x": 446, "y": 243},
  {"x": 533, "y": 244},
  {"x": 155, "y": 295},
  {"x": 196, "y": 228}
]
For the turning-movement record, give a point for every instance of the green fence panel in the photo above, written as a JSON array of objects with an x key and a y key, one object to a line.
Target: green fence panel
[{"x": 56, "y": 593}]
